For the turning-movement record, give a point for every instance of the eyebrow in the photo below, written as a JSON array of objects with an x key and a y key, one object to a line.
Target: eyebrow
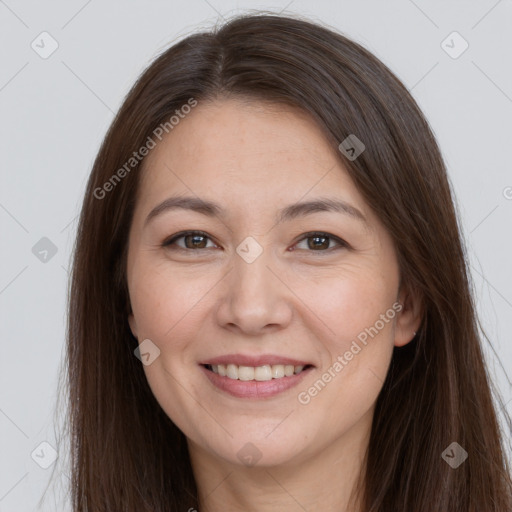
[{"x": 293, "y": 211}]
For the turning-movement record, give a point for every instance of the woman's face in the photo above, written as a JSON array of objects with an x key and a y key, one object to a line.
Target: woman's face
[{"x": 256, "y": 293}]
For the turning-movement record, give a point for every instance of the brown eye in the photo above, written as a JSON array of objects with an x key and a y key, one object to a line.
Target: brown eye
[
  {"x": 320, "y": 242},
  {"x": 195, "y": 241},
  {"x": 192, "y": 240}
]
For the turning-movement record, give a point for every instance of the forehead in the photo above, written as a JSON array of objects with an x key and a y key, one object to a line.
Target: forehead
[
  {"x": 246, "y": 151},
  {"x": 236, "y": 132}
]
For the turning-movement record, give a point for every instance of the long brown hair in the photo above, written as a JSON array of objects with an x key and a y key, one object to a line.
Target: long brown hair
[{"x": 126, "y": 454}]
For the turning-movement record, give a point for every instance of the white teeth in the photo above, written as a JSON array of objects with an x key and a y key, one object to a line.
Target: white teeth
[
  {"x": 232, "y": 371},
  {"x": 259, "y": 373},
  {"x": 277, "y": 371},
  {"x": 263, "y": 372},
  {"x": 245, "y": 373}
]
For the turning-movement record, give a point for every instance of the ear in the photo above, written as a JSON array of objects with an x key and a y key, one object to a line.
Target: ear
[
  {"x": 133, "y": 324},
  {"x": 409, "y": 318}
]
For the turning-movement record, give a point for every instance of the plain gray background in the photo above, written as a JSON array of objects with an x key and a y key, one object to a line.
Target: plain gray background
[{"x": 56, "y": 110}]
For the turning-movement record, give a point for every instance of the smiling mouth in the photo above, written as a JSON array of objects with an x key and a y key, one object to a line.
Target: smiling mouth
[{"x": 256, "y": 373}]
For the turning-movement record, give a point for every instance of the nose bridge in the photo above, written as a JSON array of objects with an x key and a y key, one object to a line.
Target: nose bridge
[
  {"x": 251, "y": 276},
  {"x": 254, "y": 299}
]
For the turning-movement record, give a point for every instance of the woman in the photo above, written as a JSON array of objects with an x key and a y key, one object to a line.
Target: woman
[{"x": 270, "y": 306}]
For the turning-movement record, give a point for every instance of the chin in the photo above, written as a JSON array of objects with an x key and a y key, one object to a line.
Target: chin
[{"x": 259, "y": 451}]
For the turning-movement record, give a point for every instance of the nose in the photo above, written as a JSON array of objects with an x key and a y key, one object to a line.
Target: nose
[{"x": 254, "y": 297}]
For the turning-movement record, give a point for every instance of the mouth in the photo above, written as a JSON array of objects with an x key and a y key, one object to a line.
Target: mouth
[
  {"x": 263, "y": 373},
  {"x": 264, "y": 378}
]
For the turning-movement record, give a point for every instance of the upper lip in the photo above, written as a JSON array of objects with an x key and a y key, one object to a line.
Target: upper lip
[{"x": 261, "y": 360}]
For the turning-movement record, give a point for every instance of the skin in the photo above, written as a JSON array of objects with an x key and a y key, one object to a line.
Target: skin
[{"x": 294, "y": 300}]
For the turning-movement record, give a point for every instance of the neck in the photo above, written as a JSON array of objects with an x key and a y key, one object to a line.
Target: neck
[{"x": 325, "y": 480}]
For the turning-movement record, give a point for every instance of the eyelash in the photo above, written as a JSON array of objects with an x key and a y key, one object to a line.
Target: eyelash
[{"x": 320, "y": 234}]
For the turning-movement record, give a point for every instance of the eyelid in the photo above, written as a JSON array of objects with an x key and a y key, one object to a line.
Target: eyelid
[{"x": 341, "y": 243}]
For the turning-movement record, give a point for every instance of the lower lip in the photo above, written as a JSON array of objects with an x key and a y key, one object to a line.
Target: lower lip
[{"x": 254, "y": 388}]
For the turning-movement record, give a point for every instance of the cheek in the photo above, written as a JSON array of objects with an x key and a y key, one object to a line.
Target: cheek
[
  {"x": 166, "y": 306},
  {"x": 164, "y": 303},
  {"x": 360, "y": 315},
  {"x": 348, "y": 305}
]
